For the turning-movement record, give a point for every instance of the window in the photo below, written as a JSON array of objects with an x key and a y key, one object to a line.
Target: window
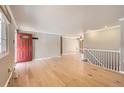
[{"x": 3, "y": 35}]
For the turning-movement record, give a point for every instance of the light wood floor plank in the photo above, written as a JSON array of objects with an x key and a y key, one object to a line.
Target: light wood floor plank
[{"x": 66, "y": 71}]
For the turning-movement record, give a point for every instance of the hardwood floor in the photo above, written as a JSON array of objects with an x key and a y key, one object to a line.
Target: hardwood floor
[{"x": 66, "y": 71}]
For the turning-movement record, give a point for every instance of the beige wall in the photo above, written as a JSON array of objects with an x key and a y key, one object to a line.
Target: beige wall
[
  {"x": 106, "y": 39},
  {"x": 7, "y": 61},
  {"x": 47, "y": 45},
  {"x": 70, "y": 45}
]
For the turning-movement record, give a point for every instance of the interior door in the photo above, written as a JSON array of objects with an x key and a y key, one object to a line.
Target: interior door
[{"x": 24, "y": 47}]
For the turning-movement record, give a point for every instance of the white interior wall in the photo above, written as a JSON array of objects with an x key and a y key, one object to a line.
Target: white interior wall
[
  {"x": 105, "y": 39},
  {"x": 47, "y": 45},
  {"x": 70, "y": 45}
]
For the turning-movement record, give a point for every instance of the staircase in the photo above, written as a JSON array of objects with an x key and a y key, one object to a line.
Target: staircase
[{"x": 108, "y": 59}]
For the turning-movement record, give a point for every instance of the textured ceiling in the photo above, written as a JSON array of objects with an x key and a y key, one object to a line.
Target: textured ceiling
[{"x": 66, "y": 20}]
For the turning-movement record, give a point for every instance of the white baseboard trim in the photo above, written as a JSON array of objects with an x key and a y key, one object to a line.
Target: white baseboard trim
[
  {"x": 122, "y": 72},
  {"x": 45, "y": 58},
  {"x": 6, "y": 84},
  {"x": 69, "y": 53}
]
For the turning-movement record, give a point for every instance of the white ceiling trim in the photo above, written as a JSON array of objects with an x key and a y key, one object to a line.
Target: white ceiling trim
[
  {"x": 36, "y": 31},
  {"x": 102, "y": 29},
  {"x": 70, "y": 37}
]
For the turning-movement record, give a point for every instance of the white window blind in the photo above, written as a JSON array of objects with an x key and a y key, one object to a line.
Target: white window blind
[{"x": 3, "y": 35}]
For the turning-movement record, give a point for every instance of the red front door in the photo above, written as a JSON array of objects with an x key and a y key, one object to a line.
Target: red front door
[{"x": 24, "y": 47}]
